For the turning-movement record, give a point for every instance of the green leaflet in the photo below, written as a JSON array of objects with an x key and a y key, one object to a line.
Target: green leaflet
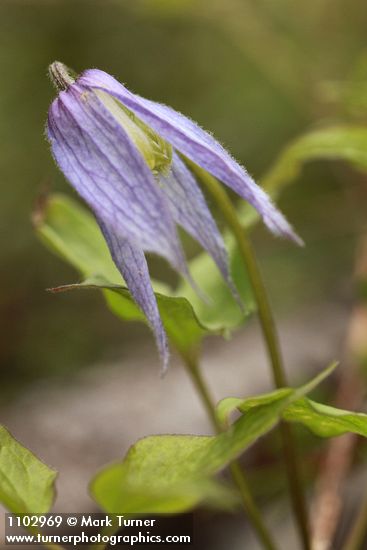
[
  {"x": 180, "y": 321},
  {"x": 174, "y": 473},
  {"x": 26, "y": 484},
  {"x": 326, "y": 421},
  {"x": 160, "y": 475},
  {"x": 347, "y": 143},
  {"x": 322, "y": 420}
]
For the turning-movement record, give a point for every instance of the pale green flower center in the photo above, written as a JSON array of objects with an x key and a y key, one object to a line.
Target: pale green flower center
[{"x": 156, "y": 151}]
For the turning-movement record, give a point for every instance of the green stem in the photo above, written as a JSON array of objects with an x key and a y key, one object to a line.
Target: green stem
[
  {"x": 270, "y": 336},
  {"x": 358, "y": 533},
  {"x": 238, "y": 476}
]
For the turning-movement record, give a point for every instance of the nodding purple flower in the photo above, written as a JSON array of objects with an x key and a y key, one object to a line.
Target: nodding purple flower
[{"x": 121, "y": 154}]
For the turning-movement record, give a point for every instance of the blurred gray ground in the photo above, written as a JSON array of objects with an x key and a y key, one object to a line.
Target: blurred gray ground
[{"x": 79, "y": 424}]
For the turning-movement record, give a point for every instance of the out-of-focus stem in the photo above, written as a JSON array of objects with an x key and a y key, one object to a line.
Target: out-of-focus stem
[
  {"x": 270, "y": 336},
  {"x": 357, "y": 355},
  {"x": 358, "y": 533},
  {"x": 248, "y": 502},
  {"x": 328, "y": 502}
]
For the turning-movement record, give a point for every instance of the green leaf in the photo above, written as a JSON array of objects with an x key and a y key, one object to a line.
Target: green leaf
[
  {"x": 72, "y": 232},
  {"x": 322, "y": 420},
  {"x": 174, "y": 473},
  {"x": 222, "y": 312},
  {"x": 180, "y": 321},
  {"x": 229, "y": 404},
  {"x": 26, "y": 484},
  {"x": 226, "y": 407},
  {"x": 347, "y": 143},
  {"x": 325, "y": 421},
  {"x": 159, "y": 475}
]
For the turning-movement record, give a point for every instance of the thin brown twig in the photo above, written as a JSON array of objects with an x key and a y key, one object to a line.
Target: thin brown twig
[
  {"x": 328, "y": 505},
  {"x": 337, "y": 461}
]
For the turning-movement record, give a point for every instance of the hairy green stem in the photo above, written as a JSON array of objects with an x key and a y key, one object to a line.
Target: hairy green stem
[
  {"x": 229, "y": 213},
  {"x": 249, "y": 505},
  {"x": 358, "y": 533}
]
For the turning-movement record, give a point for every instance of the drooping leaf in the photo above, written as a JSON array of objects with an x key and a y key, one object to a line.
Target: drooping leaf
[
  {"x": 26, "y": 483},
  {"x": 322, "y": 420},
  {"x": 325, "y": 421},
  {"x": 346, "y": 143},
  {"x": 222, "y": 311},
  {"x": 182, "y": 325},
  {"x": 225, "y": 408},
  {"x": 71, "y": 232},
  {"x": 174, "y": 473},
  {"x": 336, "y": 143}
]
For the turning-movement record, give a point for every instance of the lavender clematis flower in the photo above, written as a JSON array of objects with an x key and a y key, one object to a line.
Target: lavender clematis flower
[{"x": 120, "y": 153}]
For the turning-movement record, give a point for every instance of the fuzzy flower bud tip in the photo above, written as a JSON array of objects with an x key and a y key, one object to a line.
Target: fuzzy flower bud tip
[{"x": 61, "y": 76}]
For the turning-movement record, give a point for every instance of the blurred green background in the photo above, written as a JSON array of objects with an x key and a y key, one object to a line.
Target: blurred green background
[{"x": 257, "y": 73}]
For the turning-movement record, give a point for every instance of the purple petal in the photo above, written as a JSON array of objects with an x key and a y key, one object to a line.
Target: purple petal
[
  {"x": 132, "y": 264},
  {"x": 99, "y": 159},
  {"x": 191, "y": 140},
  {"x": 189, "y": 209}
]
